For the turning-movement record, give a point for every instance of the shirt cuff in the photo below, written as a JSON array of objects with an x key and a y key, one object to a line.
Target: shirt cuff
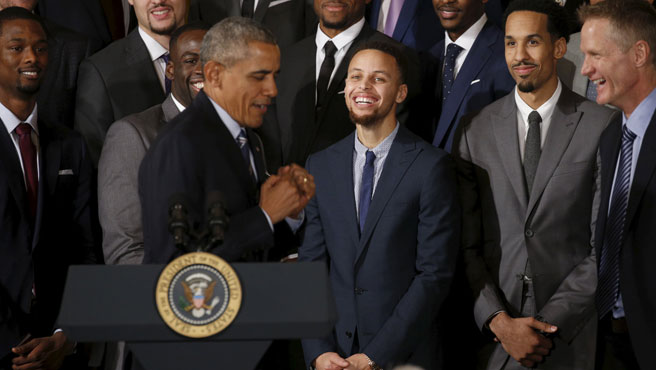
[
  {"x": 295, "y": 223},
  {"x": 268, "y": 219}
]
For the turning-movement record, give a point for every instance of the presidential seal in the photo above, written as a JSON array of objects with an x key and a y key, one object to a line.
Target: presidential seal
[{"x": 198, "y": 295}]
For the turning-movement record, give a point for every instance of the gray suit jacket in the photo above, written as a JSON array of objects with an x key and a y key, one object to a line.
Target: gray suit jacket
[
  {"x": 552, "y": 229},
  {"x": 569, "y": 67},
  {"x": 119, "y": 209}
]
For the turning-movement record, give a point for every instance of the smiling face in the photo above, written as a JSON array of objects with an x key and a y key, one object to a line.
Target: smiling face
[
  {"x": 337, "y": 15},
  {"x": 246, "y": 88},
  {"x": 531, "y": 55},
  {"x": 23, "y": 59},
  {"x": 606, "y": 64},
  {"x": 184, "y": 68},
  {"x": 456, "y": 16},
  {"x": 373, "y": 88},
  {"x": 160, "y": 17}
]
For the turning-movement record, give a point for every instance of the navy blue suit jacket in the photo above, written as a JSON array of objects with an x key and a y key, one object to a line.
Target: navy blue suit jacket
[
  {"x": 418, "y": 26},
  {"x": 482, "y": 79},
  {"x": 401, "y": 266}
]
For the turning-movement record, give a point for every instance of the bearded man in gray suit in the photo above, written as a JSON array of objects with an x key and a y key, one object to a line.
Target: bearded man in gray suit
[
  {"x": 128, "y": 140},
  {"x": 528, "y": 171}
]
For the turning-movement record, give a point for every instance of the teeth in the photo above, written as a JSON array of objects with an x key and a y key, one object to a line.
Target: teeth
[
  {"x": 160, "y": 12},
  {"x": 362, "y": 100},
  {"x": 198, "y": 85},
  {"x": 599, "y": 81},
  {"x": 29, "y": 73}
]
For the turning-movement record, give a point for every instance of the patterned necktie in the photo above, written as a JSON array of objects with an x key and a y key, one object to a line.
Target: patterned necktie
[
  {"x": 326, "y": 71},
  {"x": 591, "y": 91},
  {"x": 248, "y": 8},
  {"x": 28, "y": 155},
  {"x": 609, "y": 266},
  {"x": 366, "y": 187},
  {"x": 242, "y": 141},
  {"x": 167, "y": 83},
  {"x": 393, "y": 16},
  {"x": 448, "y": 75},
  {"x": 532, "y": 149}
]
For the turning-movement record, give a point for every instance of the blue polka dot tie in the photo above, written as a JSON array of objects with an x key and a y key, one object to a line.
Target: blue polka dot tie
[
  {"x": 367, "y": 187},
  {"x": 448, "y": 75}
]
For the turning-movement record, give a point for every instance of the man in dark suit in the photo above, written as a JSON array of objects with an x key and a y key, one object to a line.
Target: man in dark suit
[
  {"x": 385, "y": 221},
  {"x": 47, "y": 215},
  {"x": 618, "y": 40},
  {"x": 289, "y": 20},
  {"x": 470, "y": 71},
  {"x": 128, "y": 76},
  {"x": 529, "y": 184},
  {"x": 211, "y": 146},
  {"x": 414, "y": 24},
  {"x": 82, "y": 16}
]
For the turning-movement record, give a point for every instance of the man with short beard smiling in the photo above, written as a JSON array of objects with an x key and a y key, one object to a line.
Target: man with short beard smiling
[
  {"x": 127, "y": 76},
  {"x": 385, "y": 220},
  {"x": 529, "y": 180}
]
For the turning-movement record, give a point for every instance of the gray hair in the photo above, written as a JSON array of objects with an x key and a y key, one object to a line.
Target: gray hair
[{"x": 227, "y": 41}]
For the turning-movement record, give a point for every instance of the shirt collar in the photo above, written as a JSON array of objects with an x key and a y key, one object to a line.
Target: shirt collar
[
  {"x": 466, "y": 40},
  {"x": 155, "y": 49},
  {"x": 11, "y": 121},
  {"x": 178, "y": 104},
  {"x": 229, "y": 122},
  {"x": 379, "y": 150},
  {"x": 343, "y": 39},
  {"x": 641, "y": 116},
  {"x": 545, "y": 110}
]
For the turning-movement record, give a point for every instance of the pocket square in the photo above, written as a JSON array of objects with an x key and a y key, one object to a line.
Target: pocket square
[
  {"x": 278, "y": 2},
  {"x": 475, "y": 81},
  {"x": 65, "y": 172}
]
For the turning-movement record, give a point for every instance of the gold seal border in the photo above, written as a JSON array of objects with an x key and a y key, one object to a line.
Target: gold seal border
[{"x": 162, "y": 295}]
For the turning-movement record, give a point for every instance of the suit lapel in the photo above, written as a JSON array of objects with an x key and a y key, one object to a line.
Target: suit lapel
[
  {"x": 644, "y": 170},
  {"x": 401, "y": 155},
  {"x": 564, "y": 121},
  {"x": 258, "y": 155},
  {"x": 12, "y": 169},
  {"x": 342, "y": 171},
  {"x": 261, "y": 10},
  {"x": 137, "y": 56},
  {"x": 477, "y": 58},
  {"x": 49, "y": 163},
  {"x": 406, "y": 17},
  {"x": 504, "y": 124},
  {"x": 169, "y": 109}
]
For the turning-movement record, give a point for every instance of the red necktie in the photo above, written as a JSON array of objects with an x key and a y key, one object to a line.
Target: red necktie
[{"x": 28, "y": 154}]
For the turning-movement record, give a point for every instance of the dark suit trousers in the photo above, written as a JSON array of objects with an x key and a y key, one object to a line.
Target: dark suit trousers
[{"x": 614, "y": 349}]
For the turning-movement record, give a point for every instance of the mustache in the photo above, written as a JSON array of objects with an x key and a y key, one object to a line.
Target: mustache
[{"x": 524, "y": 64}]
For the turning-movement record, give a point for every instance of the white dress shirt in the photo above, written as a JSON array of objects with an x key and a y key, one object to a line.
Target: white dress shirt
[
  {"x": 545, "y": 111},
  {"x": 11, "y": 122},
  {"x": 342, "y": 42},
  {"x": 465, "y": 41},
  {"x": 178, "y": 104},
  {"x": 156, "y": 50}
]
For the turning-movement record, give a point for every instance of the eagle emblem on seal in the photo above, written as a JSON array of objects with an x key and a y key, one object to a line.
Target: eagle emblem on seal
[{"x": 198, "y": 297}]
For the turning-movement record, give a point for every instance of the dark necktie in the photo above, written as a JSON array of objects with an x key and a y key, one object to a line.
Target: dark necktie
[
  {"x": 242, "y": 141},
  {"x": 366, "y": 187},
  {"x": 609, "y": 267},
  {"x": 248, "y": 8},
  {"x": 452, "y": 52},
  {"x": 167, "y": 83},
  {"x": 28, "y": 155},
  {"x": 326, "y": 71},
  {"x": 532, "y": 149}
]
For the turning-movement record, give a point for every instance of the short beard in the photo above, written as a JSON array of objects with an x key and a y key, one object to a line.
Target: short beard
[
  {"x": 335, "y": 25},
  {"x": 163, "y": 31},
  {"x": 526, "y": 86},
  {"x": 369, "y": 120},
  {"x": 28, "y": 90}
]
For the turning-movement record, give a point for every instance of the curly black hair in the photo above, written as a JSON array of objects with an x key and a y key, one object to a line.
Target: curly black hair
[{"x": 557, "y": 19}]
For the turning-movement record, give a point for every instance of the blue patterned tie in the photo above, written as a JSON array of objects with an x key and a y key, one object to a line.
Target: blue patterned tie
[
  {"x": 591, "y": 91},
  {"x": 609, "y": 267},
  {"x": 452, "y": 52},
  {"x": 366, "y": 187},
  {"x": 242, "y": 141},
  {"x": 167, "y": 83}
]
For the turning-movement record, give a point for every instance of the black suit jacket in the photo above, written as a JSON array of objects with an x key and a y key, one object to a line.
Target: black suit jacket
[
  {"x": 116, "y": 81},
  {"x": 194, "y": 155},
  {"x": 84, "y": 16},
  {"x": 38, "y": 255},
  {"x": 292, "y": 131},
  {"x": 289, "y": 20},
  {"x": 56, "y": 97},
  {"x": 637, "y": 273}
]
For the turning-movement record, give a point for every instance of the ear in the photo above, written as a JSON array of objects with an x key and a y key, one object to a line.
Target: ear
[
  {"x": 169, "y": 71},
  {"x": 641, "y": 53},
  {"x": 213, "y": 72},
  {"x": 401, "y": 93},
  {"x": 131, "y": 2},
  {"x": 560, "y": 48}
]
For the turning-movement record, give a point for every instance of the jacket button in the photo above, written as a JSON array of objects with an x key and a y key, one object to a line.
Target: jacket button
[
  {"x": 349, "y": 334},
  {"x": 359, "y": 291},
  {"x": 529, "y": 233}
]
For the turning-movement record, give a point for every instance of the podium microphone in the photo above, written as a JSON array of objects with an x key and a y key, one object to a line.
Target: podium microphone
[
  {"x": 178, "y": 221},
  {"x": 218, "y": 219}
]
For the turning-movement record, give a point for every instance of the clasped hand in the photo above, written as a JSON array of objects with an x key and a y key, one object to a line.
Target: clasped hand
[{"x": 286, "y": 193}]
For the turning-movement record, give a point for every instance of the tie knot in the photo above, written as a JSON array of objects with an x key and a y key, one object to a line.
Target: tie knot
[
  {"x": 453, "y": 50},
  {"x": 370, "y": 157},
  {"x": 329, "y": 48},
  {"x": 23, "y": 129},
  {"x": 242, "y": 139},
  {"x": 166, "y": 57},
  {"x": 627, "y": 134},
  {"x": 534, "y": 118}
]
